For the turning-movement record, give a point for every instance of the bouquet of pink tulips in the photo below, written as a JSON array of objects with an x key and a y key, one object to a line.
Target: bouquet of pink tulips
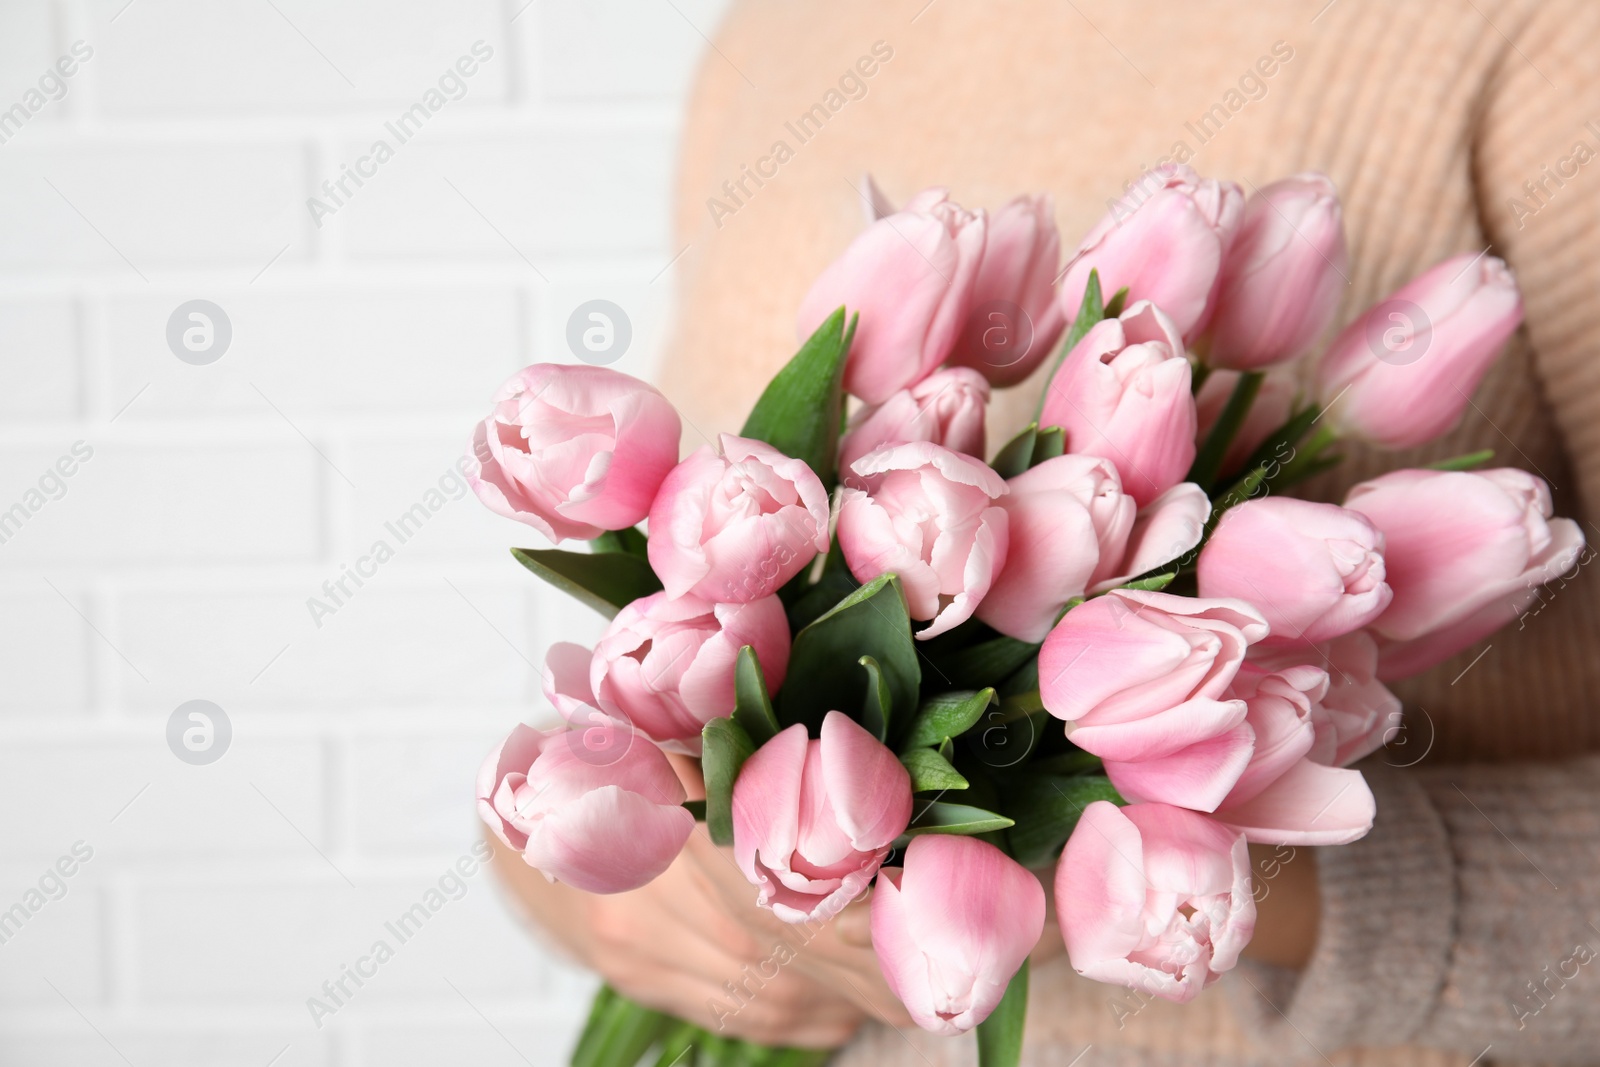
[{"x": 1104, "y": 661}]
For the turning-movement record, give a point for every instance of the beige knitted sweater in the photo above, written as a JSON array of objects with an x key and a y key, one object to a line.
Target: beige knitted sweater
[{"x": 1449, "y": 126}]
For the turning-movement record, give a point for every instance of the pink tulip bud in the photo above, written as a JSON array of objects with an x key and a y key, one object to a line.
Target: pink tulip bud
[
  {"x": 1402, "y": 373},
  {"x": 666, "y": 665},
  {"x": 813, "y": 820},
  {"x": 928, "y": 515},
  {"x": 1165, "y": 529},
  {"x": 1282, "y": 276},
  {"x": 946, "y": 407},
  {"x": 573, "y": 451},
  {"x": 1281, "y": 716},
  {"x": 1015, "y": 318},
  {"x": 1285, "y": 796},
  {"x": 1164, "y": 241},
  {"x": 603, "y": 816},
  {"x": 1069, "y": 522},
  {"x": 1123, "y": 394},
  {"x": 1154, "y": 898},
  {"x": 1142, "y": 679},
  {"x": 1358, "y": 714},
  {"x": 733, "y": 527},
  {"x": 1273, "y": 405},
  {"x": 1465, "y": 554},
  {"x": 952, "y": 927},
  {"x": 910, "y": 275},
  {"x": 1315, "y": 571}
]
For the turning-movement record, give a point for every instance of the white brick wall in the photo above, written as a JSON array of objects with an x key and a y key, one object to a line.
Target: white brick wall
[{"x": 175, "y": 563}]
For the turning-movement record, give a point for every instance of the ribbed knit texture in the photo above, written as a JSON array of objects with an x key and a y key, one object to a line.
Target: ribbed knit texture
[{"x": 1431, "y": 116}]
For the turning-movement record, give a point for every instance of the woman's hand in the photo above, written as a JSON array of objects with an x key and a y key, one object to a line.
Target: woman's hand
[
  {"x": 674, "y": 945},
  {"x": 695, "y": 944}
]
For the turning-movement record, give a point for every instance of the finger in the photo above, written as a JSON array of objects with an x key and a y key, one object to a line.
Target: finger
[
  {"x": 688, "y": 769},
  {"x": 868, "y": 991},
  {"x": 853, "y": 925}
]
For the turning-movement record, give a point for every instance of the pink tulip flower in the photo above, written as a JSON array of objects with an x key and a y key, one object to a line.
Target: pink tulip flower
[
  {"x": 1123, "y": 394},
  {"x": 733, "y": 526},
  {"x": 1315, "y": 571},
  {"x": 1465, "y": 553},
  {"x": 1273, "y": 405},
  {"x": 911, "y": 276},
  {"x": 1358, "y": 714},
  {"x": 1073, "y": 531},
  {"x": 666, "y": 664},
  {"x": 1163, "y": 530},
  {"x": 604, "y": 821},
  {"x": 1282, "y": 276},
  {"x": 1141, "y": 680},
  {"x": 1164, "y": 240},
  {"x": 928, "y": 515},
  {"x": 1069, "y": 522},
  {"x": 573, "y": 451},
  {"x": 1280, "y": 716},
  {"x": 1154, "y": 898},
  {"x": 1015, "y": 319},
  {"x": 1403, "y": 373},
  {"x": 813, "y": 820},
  {"x": 946, "y": 407},
  {"x": 952, "y": 927}
]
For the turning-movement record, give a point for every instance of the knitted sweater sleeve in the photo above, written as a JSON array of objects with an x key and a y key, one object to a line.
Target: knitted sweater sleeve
[
  {"x": 1469, "y": 919},
  {"x": 1466, "y": 920}
]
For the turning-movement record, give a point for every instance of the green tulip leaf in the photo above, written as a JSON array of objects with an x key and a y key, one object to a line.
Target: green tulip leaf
[
  {"x": 987, "y": 662},
  {"x": 606, "y": 581},
  {"x": 825, "y": 672},
  {"x": 752, "y": 705},
  {"x": 799, "y": 412},
  {"x": 941, "y": 818},
  {"x": 1046, "y": 807},
  {"x": 948, "y": 715},
  {"x": 631, "y": 540},
  {"x": 724, "y": 748},
  {"x": 931, "y": 772}
]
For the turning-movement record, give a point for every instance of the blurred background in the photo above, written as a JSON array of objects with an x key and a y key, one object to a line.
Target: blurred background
[{"x": 241, "y": 347}]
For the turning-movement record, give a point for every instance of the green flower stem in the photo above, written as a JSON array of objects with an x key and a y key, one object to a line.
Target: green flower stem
[
  {"x": 1306, "y": 457},
  {"x": 1208, "y": 461}
]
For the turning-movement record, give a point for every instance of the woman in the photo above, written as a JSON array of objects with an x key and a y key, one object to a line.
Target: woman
[{"x": 1463, "y": 925}]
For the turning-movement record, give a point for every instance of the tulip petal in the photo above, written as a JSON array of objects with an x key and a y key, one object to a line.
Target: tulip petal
[
  {"x": 609, "y": 841},
  {"x": 1159, "y": 734},
  {"x": 1100, "y": 889},
  {"x": 1310, "y": 805},
  {"x": 868, "y": 788},
  {"x": 1197, "y": 777},
  {"x": 766, "y": 800},
  {"x": 1165, "y": 529}
]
